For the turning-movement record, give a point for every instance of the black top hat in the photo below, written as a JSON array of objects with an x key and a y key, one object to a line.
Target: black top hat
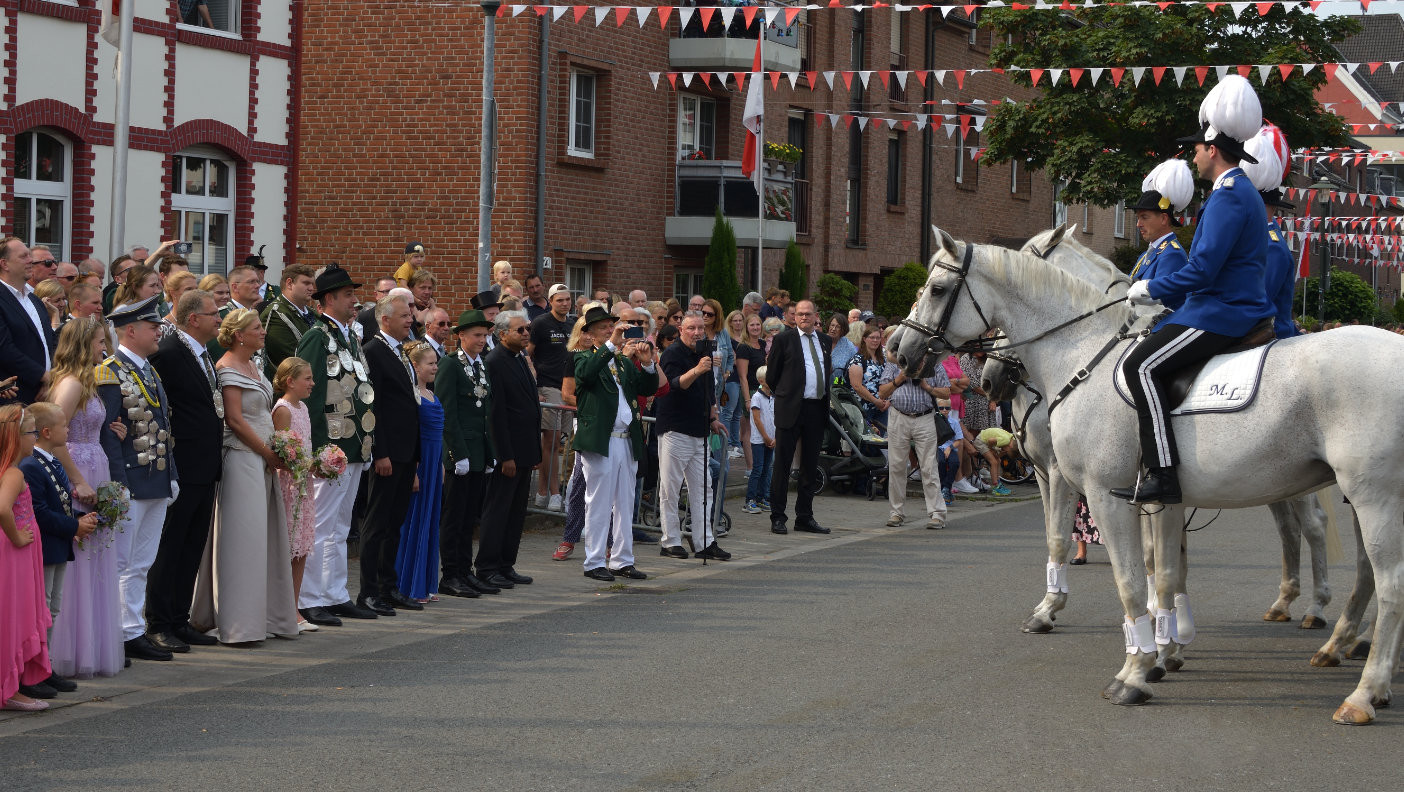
[
  {"x": 256, "y": 260},
  {"x": 485, "y": 300},
  {"x": 144, "y": 311},
  {"x": 1231, "y": 149},
  {"x": 471, "y": 318},
  {"x": 333, "y": 277},
  {"x": 1274, "y": 198},
  {"x": 596, "y": 315},
  {"x": 1152, "y": 201}
]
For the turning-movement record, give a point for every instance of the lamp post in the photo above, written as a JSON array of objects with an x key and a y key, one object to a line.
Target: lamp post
[
  {"x": 487, "y": 154},
  {"x": 1323, "y": 188}
]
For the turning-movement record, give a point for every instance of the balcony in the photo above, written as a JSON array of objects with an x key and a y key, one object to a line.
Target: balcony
[
  {"x": 732, "y": 48},
  {"x": 703, "y": 186}
]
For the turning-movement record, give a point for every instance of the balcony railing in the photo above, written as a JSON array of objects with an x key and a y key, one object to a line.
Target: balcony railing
[
  {"x": 801, "y": 206},
  {"x": 719, "y": 46},
  {"x": 704, "y": 186}
]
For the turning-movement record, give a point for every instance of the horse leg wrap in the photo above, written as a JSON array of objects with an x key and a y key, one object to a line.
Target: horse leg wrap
[
  {"x": 1057, "y": 578},
  {"x": 1164, "y": 626},
  {"x": 1139, "y": 634},
  {"x": 1184, "y": 620}
]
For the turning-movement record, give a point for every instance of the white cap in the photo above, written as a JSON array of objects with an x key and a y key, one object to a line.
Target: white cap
[{"x": 1173, "y": 180}]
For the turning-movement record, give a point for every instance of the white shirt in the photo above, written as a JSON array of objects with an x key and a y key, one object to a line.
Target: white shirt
[
  {"x": 1157, "y": 242},
  {"x": 47, "y": 456},
  {"x": 813, "y": 378},
  {"x": 624, "y": 415},
  {"x": 140, "y": 361},
  {"x": 23, "y": 297},
  {"x": 1219, "y": 182},
  {"x": 765, "y": 405},
  {"x": 435, "y": 344}
]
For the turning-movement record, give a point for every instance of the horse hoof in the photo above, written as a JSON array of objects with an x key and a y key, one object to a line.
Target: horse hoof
[
  {"x": 1313, "y": 622},
  {"x": 1112, "y": 690},
  {"x": 1325, "y": 659},
  {"x": 1360, "y": 651},
  {"x": 1038, "y": 625},
  {"x": 1155, "y": 674},
  {"x": 1350, "y": 715},
  {"x": 1277, "y": 615},
  {"x": 1130, "y": 696},
  {"x": 1174, "y": 664}
]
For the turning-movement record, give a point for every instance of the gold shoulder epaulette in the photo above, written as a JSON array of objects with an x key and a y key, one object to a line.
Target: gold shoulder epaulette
[
  {"x": 103, "y": 372},
  {"x": 1273, "y": 234},
  {"x": 1174, "y": 244}
]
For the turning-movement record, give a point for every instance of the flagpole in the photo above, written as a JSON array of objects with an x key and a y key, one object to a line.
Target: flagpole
[
  {"x": 121, "y": 134},
  {"x": 760, "y": 156}
]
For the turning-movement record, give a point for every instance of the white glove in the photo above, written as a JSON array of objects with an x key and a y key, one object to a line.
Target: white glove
[
  {"x": 1139, "y": 294},
  {"x": 460, "y": 468},
  {"x": 175, "y": 490}
]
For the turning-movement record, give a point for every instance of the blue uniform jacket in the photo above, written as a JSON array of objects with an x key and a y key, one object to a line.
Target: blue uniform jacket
[
  {"x": 1281, "y": 281},
  {"x": 1160, "y": 259},
  {"x": 1223, "y": 283},
  {"x": 57, "y": 528}
]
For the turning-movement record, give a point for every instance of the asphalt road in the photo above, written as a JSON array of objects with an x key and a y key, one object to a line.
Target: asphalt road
[{"x": 882, "y": 660}]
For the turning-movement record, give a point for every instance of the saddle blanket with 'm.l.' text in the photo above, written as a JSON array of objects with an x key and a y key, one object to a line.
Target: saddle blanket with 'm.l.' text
[{"x": 1226, "y": 383}]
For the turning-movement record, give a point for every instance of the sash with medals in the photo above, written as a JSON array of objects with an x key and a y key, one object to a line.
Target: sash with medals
[
  {"x": 64, "y": 497},
  {"x": 147, "y": 437},
  {"x": 347, "y": 379},
  {"x": 481, "y": 388}
]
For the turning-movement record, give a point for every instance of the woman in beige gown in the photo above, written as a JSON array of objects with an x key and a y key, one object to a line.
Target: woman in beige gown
[{"x": 245, "y": 588}]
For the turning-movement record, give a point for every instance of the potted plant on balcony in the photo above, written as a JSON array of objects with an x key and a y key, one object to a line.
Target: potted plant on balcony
[{"x": 780, "y": 158}]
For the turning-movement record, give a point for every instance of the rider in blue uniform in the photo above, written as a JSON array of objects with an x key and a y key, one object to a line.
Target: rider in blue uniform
[
  {"x": 1269, "y": 147},
  {"x": 1164, "y": 193},
  {"x": 1222, "y": 284}
]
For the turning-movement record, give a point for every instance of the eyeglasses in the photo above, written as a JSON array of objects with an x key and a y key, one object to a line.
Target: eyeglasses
[
  {"x": 522, "y": 329},
  {"x": 943, "y": 409},
  {"x": 637, "y": 322},
  {"x": 32, "y": 432},
  {"x": 69, "y": 278},
  {"x": 124, "y": 272},
  {"x": 675, "y": 318},
  {"x": 204, "y": 313},
  {"x": 710, "y": 314}
]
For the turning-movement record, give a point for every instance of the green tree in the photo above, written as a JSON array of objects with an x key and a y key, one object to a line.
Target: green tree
[
  {"x": 1399, "y": 310},
  {"x": 834, "y": 294},
  {"x": 1348, "y": 298},
  {"x": 794, "y": 276},
  {"x": 899, "y": 290},
  {"x": 1103, "y": 139},
  {"x": 719, "y": 281}
]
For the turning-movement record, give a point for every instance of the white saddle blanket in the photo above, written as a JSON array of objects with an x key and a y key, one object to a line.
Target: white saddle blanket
[{"x": 1226, "y": 383}]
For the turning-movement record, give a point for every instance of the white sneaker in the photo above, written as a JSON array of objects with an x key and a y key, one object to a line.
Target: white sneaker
[
  {"x": 915, "y": 475},
  {"x": 306, "y": 626},
  {"x": 963, "y": 487},
  {"x": 539, "y": 500},
  {"x": 894, "y": 520},
  {"x": 936, "y": 522},
  {"x": 555, "y": 503},
  {"x": 734, "y": 453}
]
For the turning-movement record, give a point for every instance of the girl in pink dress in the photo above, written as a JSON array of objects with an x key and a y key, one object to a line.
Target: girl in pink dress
[
  {"x": 24, "y": 613},
  {"x": 294, "y": 380}
]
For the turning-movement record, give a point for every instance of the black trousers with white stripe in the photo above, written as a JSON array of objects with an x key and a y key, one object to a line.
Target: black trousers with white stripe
[{"x": 1148, "y": 370}]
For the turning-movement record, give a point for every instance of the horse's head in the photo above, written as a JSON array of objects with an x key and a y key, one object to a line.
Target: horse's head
[
  {"x": 1002, "y": 373},
  {"x": 946, "y": 314}
]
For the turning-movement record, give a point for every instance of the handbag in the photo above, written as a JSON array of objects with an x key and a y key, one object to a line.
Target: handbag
[{"x": 944, "y": 432}]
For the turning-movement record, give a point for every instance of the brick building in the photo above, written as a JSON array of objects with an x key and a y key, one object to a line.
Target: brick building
[
  {"x": 390, "y": 127},
  {"x": 211, "y": 147}
]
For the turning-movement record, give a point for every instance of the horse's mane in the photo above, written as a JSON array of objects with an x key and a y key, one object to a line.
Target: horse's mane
[
  {"x": 1068, "y": 241},
  {"x": 1044, "y": 281}
]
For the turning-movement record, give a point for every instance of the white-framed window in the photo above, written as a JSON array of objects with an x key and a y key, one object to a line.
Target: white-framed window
[
  {"x": 1119, "y": 220},
  {"x": 202, "y": 207},
  {"x": 582, "y": 113},
  {"x": 1014, "y": 176},
  {"x": 685, "y": 284},
  {"x": 697, "y": 125},
  {"x": 579, "y": 274},
  {"x": 1060, "y": 209},
  {"x": 210, "y": 15},
  {"x": 44, "y": 190}
]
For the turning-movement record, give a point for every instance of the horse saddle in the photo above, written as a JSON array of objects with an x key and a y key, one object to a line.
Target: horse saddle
[{"x": 1226, "y": 382}]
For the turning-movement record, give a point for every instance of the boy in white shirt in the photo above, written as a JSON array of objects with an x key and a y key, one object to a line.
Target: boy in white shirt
[{"x": 762, "y": 447}]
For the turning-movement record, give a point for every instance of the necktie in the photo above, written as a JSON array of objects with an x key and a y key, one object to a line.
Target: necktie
[
  {"x": 477, "y": 372},
  {"x": 818, "y": 365},
  {"x": 209, "y": 370},
  {"x": 409, "y": 369}
]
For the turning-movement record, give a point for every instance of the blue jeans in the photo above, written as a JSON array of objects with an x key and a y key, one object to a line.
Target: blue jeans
[
  {"x": 732, "y": 412},
  {"x": 949, "y": 466},
  {"x": 758, "y": 488}
]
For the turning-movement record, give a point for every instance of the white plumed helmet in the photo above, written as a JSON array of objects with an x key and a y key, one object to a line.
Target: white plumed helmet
[
  {"x": 1228, "y": 117},
  {"x": 1168, "y": 188}
]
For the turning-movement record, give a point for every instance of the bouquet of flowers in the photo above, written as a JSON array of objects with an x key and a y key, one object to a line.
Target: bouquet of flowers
[
  {"x": 329, "y": 462},
  {"x": 113, "y": 502},
  {"x": 288, "y": 446}
]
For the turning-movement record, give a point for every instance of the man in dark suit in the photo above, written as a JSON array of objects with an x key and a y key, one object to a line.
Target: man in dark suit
[
  {"x": 462, "y": 386},
  {"x": 26, "y": 339},
  {"x": 798, "y": 372},
  {"x": 515, "y": 411},
  {"x": 197, "y": 424},
  {"x": 394, "y": 455}
]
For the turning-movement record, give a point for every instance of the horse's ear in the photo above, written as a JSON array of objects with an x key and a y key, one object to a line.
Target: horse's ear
[
  {"x": 1068, "y": 227},
  {"x": 1057, "y": 234},
  {"x": 948, "y": 242}
]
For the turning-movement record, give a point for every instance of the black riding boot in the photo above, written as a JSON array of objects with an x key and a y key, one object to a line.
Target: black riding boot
[{"x": 1159, "y": 485}]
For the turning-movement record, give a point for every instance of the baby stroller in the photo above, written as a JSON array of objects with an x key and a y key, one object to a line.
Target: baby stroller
[{"x": 851, "y": 457}]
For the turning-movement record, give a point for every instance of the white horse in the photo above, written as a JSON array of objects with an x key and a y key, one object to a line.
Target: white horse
[
  {"x": 1295, "y": 518},
  {"x": 1287, "y": 442}
]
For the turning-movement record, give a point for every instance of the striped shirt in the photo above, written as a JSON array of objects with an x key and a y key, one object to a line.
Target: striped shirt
[{"x": 908, "y": 398}]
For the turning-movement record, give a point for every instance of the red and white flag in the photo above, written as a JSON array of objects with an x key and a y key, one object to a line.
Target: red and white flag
[
  {"x": 1304, "y": 264},
  {"x": 753, "y": 118},
  {"x": 111, "y": 26}
]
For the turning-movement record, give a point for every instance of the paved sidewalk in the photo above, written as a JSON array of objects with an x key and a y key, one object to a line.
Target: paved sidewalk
[{"x": 557, "y": 585}]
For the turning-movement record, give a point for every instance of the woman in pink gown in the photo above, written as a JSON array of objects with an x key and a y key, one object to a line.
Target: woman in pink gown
[{"x": 24, "y": 614}]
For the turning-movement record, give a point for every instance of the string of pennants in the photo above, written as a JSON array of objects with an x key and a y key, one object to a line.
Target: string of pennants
[
  {"x": 1309, "y": 195},
  {"x": 785, "y": 15},
  {"x": 1344, "y": 224}
]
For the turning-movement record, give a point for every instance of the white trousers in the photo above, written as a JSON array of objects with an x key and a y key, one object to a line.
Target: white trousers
[
  {"x": 137, "y": 542},
  {"x": 903, "y": 433},
  {"x": 609, "y": 505},
  {"x": 324, "y": 579},
  {"x": 684, "y": 456}
]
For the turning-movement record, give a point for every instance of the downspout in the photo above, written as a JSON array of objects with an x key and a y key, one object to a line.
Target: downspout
[
  {"x": 541, "y": 70},
  {"x": 927, "y": 141}
]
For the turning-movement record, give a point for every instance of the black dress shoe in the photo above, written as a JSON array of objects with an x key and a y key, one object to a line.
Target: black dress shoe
[
  {"x": 808, "y": 525},
  {"x": 193, "y": 636},
  {"x": 457, "y": 588},
  {"x": 1159, "y": 485},
  {"x": 675, "y": 551},
  {"x": 401, "y": 601},
  {"x": 512, "y": 575},
  {"x": 599, "y": 573},
  {"x": 483, "y": 588},
  {"x": 377, "y": 605},
  {"x": 60, "y": 684},
  {"x": 320, "y": 617},
  {"x": 778, "y": 527},
  {"x": 168, "y": 642},
  {"x": 39, "y": 691},
  {"x": 713, "y": 553},
  {"x": 629, "y": 572},
  {"x": 350, "y": 610},
  {"x": 497, "y": 580},
  {"x": 143, "y": 649}
]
